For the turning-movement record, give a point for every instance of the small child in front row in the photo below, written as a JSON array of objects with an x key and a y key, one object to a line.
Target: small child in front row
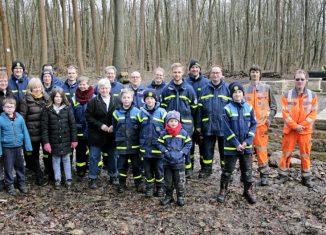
[
  {"x": 59, "y": 134},
  {"x": 14, "y": 135},
  {"x": 126, "y": 128},
  {"x": 239, "y": 132},
  {"x": 175, "y": 143}
]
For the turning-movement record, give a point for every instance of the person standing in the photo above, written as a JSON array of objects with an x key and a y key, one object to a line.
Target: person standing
[
  {"x": 198, "y": 81},
  {"x": 209, "y": 116},
  {"x": 239, "y": 132},
  {"x": 158, "y": 82},
  {"x": 31, "y": 108},
  {"x": 178, "y": 95},
  {"x": 138, "y": 88},
  {"x": 13, "y": 137},
  {"x": 71, "y": 84},
  {"x": 260, "y": 96},
  {"x": 100, "y": 133},
  {"x": 18, "y": 80},
  {"x": 299, "y": 111}
]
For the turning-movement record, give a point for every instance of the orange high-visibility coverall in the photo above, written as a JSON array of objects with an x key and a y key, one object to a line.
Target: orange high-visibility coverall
[
  {"x": 262, "y": 99},
  {"x": 298, "y": 110}
]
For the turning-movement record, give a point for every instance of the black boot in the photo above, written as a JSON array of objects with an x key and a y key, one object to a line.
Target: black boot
[
  {"x": 160, "y": 192},
  {"x": 114, "y": 180},
  {"x": 122, "y": 185},
  {"x": 140, "y": 186},
  {"x": 181, "y": 198},
  {"x": 168, "y": 198},
  {"x": 149, "y": 192},
  {"x": 307, "y": 181},
  {"x": 92, "y": 183},
  {"x": 282, "y": 179},
  {"x": 204, "y": 173},
  {"x": 264, "y": 179},
  {"x": 248, "y": 192},
  {"x": 2, "y": 185},
  {"x": 223, "y": 190}
]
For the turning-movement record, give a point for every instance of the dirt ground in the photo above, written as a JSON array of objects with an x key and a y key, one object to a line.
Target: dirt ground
[{"x": 281, "y": 209}]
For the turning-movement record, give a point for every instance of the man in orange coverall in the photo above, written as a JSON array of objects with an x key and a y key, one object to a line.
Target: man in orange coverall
[
  {"x": 299, "y": 110},
  {"x": 261, "y": 98}
]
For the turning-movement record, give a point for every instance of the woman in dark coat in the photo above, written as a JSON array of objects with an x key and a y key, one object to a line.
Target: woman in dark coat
[
  {"x": 31, "y": 108},
  {"x": 100, "y": 133}
]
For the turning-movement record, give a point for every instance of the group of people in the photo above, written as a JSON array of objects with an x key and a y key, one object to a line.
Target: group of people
[{"x": 150, "y": 129}]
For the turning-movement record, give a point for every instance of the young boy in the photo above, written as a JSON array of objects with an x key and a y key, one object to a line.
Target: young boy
[
  {"x": 239, "y": 132},
  {"x": 175, "y": 143},
  {"x": 152, "y": 124},
  {"x": 126, "y": 129},
  {"x": 13, "y": 135}
]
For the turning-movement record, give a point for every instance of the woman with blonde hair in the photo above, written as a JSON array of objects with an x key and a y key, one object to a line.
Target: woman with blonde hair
[{"x": 31, "y": 108}]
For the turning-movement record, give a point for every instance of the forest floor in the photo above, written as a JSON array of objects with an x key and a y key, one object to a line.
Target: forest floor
[{"x": 281, "y": 209}]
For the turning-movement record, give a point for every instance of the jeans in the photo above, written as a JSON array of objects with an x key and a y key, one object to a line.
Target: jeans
[
  {"x": 56, "y": 161},
  {"x": 95, "y": 157},
  {"x": 2, "y": 176},
  {"x": 14, "y": 159}
]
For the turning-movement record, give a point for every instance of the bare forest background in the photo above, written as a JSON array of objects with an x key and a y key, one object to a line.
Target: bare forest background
[{"x": 279, "y": 35}]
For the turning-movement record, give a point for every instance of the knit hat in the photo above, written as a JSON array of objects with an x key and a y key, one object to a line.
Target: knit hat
[
  {"x": 234, "y": 86},
  {"x": 150, "y": 93},
  {"x": 194, "y": 62},
  {"x": 172, "y": 115},
  {"x": 17, "y": 64}
]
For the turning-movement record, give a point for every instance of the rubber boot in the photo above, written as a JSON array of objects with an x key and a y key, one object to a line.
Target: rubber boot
[
  {"x": 264, "y": 179},
  {"x": 92, "y": 183},
  {"x": 160, "y": 192},
  {"x": 122, "y": 185},
  {"x": 248, "y": 192},
  {"x": 307, "y": 181},
  {"x": 140, "y": 185},
  {"x": 223, "y": 190},
  {"x": 168, "y": 198},
  {"x": 180, "y": 198},
  {"x": 282, "y": 179}
]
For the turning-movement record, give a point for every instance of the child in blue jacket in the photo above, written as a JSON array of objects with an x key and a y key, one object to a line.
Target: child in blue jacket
[
  {"x": 239, "y": 132},
  {"x": 14, "y": 135},
  {"x": 126, "y": 126},
  {"x": 152, "y": 124},
  {"x": 175, "y": 143}
]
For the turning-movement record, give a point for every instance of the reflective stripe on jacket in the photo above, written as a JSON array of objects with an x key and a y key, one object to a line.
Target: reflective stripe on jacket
[
  {"x": 299, "y": 110},
  {"x": 183, "y": 100},
  {"x": 211, "y": 108},
  {"x": 152, "y": 124},
  {"x": 18, "y": 86},
  {"x": 126, "y": 125},
  {"x": 262, "y": 100},
  {"x": 240, "y": 126}
]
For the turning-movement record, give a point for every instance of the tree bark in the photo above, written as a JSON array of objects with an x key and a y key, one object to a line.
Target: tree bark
[
  {"x": 95, "y": 37},
  {"x": 43, "y": 33},
  {"x": 65, "y": 29},
  {"x": 79, "y": 53},
  {"x": 118, "y": 51},
  {"x": 5, "y": 35}
]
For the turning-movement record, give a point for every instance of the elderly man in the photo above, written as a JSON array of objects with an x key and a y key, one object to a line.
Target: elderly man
[
  {"x": 135, "y": 85},
  {"x": 299, "y": 110}
]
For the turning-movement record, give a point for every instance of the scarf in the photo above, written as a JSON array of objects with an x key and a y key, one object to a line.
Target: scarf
[
  {"x": 173, "y": 131},
  {"x": 37, "y": 96},
  {"x": 13, "y": 117},
  {"x": 84, "y": 96}
]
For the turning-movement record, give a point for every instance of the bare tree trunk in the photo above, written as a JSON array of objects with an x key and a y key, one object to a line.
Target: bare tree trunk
[
  {"x": 95, "y": 38},
  {"x": 322, "y": 58},
  {"x": 141, "y": 43},
  {"x": 44, "y": 44},
  {"x": 305, "y": 35},
  {"x": 18, "y": 40},
  {"x": 118, "y": 52},
  {"x": 277, "y": 50},
  {"x": 5, "y": 35},
  {"x": 65, "y": 29},
  {"x": 157, "y": 33},
  {"x": 194, "y": 33},
  {"x": 247, "y": 37},
  {"x": 79, "y": 53}
]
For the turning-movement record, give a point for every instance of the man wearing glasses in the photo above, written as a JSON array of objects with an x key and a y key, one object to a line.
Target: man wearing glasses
[{"x": 299, "y": 110}]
